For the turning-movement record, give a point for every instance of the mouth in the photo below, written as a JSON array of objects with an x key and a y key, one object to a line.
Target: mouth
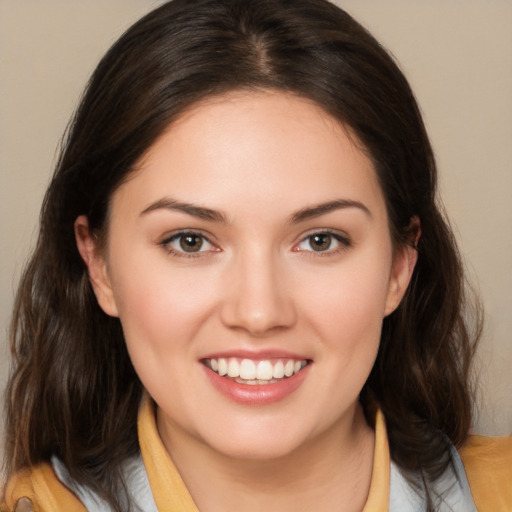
[{"x": 256, "y": 372}]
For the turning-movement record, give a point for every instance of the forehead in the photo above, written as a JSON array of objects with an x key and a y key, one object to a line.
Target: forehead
[{"x": 256, "y": 146}]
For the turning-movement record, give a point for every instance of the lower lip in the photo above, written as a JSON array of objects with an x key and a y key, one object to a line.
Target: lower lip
[{"x": 262, "y": 394}]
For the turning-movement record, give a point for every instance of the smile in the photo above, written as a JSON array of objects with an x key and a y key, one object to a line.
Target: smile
[{"x": 255, "y": 372}]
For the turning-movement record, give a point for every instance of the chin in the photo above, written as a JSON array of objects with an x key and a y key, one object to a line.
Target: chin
[
  {"x": 260, "y": 443},
  {"x": 256, "y": 451}
]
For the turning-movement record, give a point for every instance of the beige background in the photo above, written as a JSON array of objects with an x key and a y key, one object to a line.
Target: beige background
[{"x": 456, "y": 53}]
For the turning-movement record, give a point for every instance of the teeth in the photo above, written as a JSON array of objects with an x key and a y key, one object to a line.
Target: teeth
[
  {"x": 264, "y": 370},
  {"x": 254, "y": 382},
  {"x": 278, "y": 372},
  {"x": 288, "y": 368},
  {"x": 233, "y": 368},
  {"x": 223, "y": 367},
  {"x": 247, "y": 371}
]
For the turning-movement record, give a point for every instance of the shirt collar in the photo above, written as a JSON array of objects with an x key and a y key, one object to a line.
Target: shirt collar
[{"x": 170, "y": 492}]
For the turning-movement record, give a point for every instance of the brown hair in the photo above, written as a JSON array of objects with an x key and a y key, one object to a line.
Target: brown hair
[{"x": 73, "y": 391}]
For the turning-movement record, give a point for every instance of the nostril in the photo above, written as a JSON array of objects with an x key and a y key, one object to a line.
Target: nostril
[
  {"x": 258, "y": 319},
  {"x": 255, "y": 298}
]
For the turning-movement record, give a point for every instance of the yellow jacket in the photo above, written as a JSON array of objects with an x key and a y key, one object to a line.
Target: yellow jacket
[{"x": 487, "y": 461}]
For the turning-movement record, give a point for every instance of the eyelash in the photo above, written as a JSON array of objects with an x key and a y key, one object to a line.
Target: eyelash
[
  {"x": 182, "y": 234},
  {"x": 343, "y": 241}
]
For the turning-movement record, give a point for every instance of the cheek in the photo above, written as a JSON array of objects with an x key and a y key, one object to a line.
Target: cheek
[
  {"x": 350, "y": 327},
  {"x": 346, "y": 307},
  {"x": 351, "y": 297},
  {"x": 160, "y": 315},
  {"x": 160, "y": 309}
]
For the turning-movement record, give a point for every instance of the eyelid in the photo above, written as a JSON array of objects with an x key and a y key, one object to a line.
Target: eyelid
[
  {"x": 175, "y": 235},
  {"x": 341, "y": 237}
]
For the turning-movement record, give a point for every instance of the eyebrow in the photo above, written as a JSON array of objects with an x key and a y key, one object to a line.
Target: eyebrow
[
  {"x": 328, "y": 207},
  {"x": 199, "y": 212},
  {"x": 210, "y": 215}
]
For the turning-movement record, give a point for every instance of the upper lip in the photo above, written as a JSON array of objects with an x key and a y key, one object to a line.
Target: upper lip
[{"x": 256, "y": 354}]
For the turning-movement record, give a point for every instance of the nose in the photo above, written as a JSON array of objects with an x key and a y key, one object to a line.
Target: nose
[{"x": 258, "y": 297}]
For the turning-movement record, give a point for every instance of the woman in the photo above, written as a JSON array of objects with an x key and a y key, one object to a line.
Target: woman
[{"x": 243, "y": 294}]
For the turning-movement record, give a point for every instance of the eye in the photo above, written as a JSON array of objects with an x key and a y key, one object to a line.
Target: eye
[
  {"x": 323, "y": 241},
  {"x": 188, "y": 242}
]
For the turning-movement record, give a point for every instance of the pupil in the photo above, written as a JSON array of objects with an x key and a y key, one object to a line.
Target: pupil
[
  {"x": 321, "y": 242},
  {"x": 191, "y": 243}
]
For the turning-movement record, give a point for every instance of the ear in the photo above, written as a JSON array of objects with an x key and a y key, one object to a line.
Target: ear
[
  {"x": 96, "y": 264},
  {"x": 404, "y": 262}
]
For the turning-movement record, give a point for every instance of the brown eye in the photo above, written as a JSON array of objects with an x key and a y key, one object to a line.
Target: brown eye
[
  {"x": 320, "y": 242},
  {"x": 188, "y": 243},
  {"x": 324, "y": 241},
  {"x": 191, "y": 242}
]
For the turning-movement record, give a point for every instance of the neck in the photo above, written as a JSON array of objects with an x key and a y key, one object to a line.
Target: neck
[{"x": 330, "y": 472}]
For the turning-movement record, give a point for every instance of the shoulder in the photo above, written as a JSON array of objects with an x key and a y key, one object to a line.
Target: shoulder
[
  {"x": 488, "y": 465},
  {"x": 42, "y": 486}
]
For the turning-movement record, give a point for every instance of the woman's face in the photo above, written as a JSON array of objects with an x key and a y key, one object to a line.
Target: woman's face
[{"x": 253, "y": 239}]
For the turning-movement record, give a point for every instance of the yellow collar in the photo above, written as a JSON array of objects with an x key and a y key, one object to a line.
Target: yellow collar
[{"x": 169, "y": 490}]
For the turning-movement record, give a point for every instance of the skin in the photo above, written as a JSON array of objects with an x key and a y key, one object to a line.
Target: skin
[
  {"x": 256, "y": 159},
  {"x": 24, "y": 505}
]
